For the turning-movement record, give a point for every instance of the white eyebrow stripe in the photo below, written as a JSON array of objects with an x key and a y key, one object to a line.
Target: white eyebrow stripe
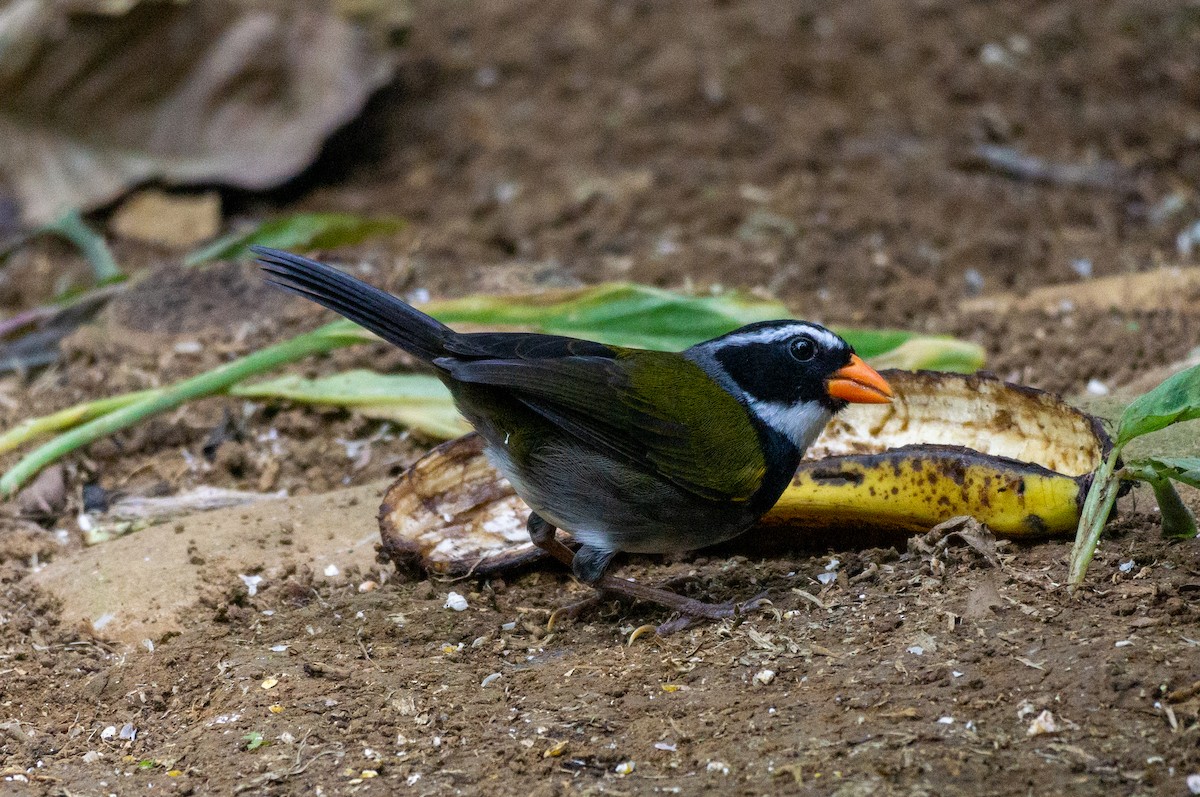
[{"x": 822, "y": 336}]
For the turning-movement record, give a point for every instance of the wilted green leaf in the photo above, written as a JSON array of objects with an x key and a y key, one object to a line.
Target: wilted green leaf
[
  {"x": 301, "y": 231},
  {"x": 127, "y": 410},
  {"x": 919, "y": 352},
  {"x": 418, "y": 401},
  {"x": 1176, "y": 399},
  {"x": 615, "y": 313},
  {"x": 254, "y": 740}
]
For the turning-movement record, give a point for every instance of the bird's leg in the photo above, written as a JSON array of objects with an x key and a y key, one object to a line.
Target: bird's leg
[
  {"x": 543, "y": 535},
  {"x": 591, "y": 565}
]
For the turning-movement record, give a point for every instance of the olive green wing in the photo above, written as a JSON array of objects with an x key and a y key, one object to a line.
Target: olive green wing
[{"x": 656, "y": 411}]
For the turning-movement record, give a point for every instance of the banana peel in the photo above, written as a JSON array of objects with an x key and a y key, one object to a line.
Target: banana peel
[{"x": 1017, "y": 459}]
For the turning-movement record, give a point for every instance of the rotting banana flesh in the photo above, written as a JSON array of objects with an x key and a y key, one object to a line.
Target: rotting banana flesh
[{"x": 1017, "y": 459}]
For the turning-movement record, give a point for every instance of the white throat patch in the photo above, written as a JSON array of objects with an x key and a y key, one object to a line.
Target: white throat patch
[{"x": 801, "y": 423}]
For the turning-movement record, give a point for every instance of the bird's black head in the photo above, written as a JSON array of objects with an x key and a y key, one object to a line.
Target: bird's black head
[
  {"x": 792, "y": 374},
  {"x": 784, "y": 362}
]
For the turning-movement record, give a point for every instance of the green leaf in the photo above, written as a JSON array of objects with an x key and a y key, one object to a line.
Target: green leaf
[
  {"x": 1178, "y": 522},
  {"x": 418, "y": 401},
  {"x": 1180, "y": 469},
  {"x": 616, "y": 313},
  {"x": 1175, "y": 400},
  {"x": 254, "y": 740},
  {"x": 626, "y": 314},
  {"x": 303, "y": 231}
]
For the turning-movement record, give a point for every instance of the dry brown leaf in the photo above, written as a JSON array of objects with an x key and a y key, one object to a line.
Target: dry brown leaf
[{"x": 97, "y": 97}]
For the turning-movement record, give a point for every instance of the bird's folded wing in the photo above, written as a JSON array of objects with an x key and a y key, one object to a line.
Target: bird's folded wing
[{"x": 655, "y": 416}]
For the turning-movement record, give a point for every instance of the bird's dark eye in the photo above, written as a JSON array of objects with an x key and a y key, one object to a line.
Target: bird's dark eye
[{"x": 804, "y": 349}]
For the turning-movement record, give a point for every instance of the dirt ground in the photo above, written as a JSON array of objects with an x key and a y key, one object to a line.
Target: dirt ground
[{"x": 827, "y": 154}]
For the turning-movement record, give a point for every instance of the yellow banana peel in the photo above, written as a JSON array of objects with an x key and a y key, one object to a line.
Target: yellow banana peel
[
  {"x": 1017, "y": 459},
  {"x": 912, "y": 489}
]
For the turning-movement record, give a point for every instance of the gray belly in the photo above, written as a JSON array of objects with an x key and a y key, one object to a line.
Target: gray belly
[{"x": 606, "y": 504}]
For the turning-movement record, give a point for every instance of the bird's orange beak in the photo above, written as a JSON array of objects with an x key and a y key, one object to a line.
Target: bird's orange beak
[{"x": 859, "y": 383}]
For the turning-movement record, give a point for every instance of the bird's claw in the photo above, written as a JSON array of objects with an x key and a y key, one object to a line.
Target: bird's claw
[
  {"x": 571, "y": 611},
  {"x": 696, "y": 610}
]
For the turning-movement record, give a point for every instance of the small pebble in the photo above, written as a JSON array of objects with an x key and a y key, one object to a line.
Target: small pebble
[
  {"x": 1187, "y": 240},
  {"x": 456, "y": 602},
  {"x": 1043, "y": 723},
  {"x": 764, "y": 677},
  {"x": 974, "y": 281},
  {"x": 993, "y": 54}
]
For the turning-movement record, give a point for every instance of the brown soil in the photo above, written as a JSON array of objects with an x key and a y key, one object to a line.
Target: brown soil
[{"x": 818, "y": 152}]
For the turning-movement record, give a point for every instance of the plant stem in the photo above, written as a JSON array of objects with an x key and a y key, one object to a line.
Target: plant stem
[
  {"x": 1096, "y": 509},
  {"x": 217, "y": 380},
  {"x": 30, "y": 428},
  {"x": 72, "y": 227},
  {"x": 1178, "y": 522}
]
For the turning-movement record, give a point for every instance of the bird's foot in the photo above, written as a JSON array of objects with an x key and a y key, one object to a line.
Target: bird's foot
[{"x": 689, "y": 610}]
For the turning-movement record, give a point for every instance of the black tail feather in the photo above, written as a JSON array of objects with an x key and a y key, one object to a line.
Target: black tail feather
[{"x": 379, "y": 311}]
